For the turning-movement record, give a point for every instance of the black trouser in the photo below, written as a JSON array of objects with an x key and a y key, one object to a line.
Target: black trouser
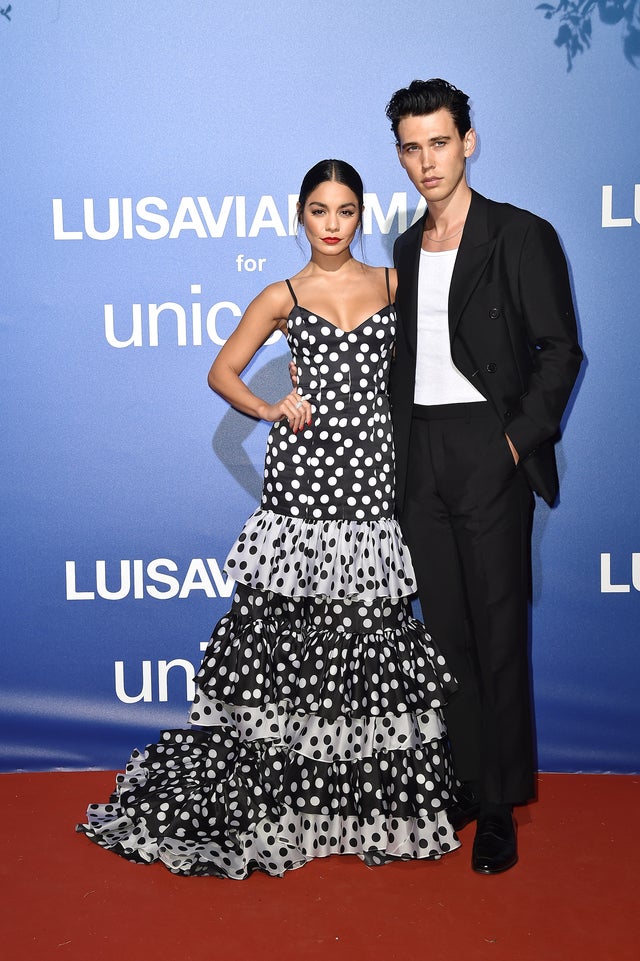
[{"x": 467, "y": 522}]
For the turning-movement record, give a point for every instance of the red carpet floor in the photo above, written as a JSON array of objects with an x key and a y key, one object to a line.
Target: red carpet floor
[{"x": 574, "y": 894}]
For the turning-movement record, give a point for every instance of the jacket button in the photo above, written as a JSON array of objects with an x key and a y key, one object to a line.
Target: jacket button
[
  {"x": 494, "y": 313},
  {"x": 508, "y": 414},
  {"x": 492, "y": 368}
]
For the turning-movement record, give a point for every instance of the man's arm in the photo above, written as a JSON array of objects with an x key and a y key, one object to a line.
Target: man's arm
[{"x": 550, "y": 324}]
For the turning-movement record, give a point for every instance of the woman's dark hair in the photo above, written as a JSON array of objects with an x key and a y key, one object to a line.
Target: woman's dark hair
[
  {"x": 426, "y": 96},
  {"x": 337, "y": 170}
]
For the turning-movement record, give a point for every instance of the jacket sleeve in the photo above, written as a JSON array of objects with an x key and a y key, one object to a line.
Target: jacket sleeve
[
  {"x": 550, "y": 327},
  {"x": 396, "y": 247}
]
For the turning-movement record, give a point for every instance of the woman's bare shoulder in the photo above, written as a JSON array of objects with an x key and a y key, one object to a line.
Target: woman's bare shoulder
[
  {"x": 274, "y": 299},
  {"x": 378, "y": 276}
]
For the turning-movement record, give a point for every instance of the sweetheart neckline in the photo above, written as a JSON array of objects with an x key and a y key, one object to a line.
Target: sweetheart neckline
[{"x": 314, "y": 313}]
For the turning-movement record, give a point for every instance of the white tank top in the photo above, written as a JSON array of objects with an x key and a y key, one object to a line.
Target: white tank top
[{"x": 438, "y": 380}]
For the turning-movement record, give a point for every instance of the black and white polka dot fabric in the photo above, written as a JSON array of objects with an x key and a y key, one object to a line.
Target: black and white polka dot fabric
[
  {"x": 316, "y": 726},
  {"x": 342, "y": 465}
]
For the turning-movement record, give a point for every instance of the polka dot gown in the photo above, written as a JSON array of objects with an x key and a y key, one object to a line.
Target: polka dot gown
[{"x": 316, "y": 726}]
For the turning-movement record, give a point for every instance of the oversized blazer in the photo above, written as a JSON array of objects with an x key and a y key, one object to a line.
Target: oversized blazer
[{"x": 512, "y": 329}]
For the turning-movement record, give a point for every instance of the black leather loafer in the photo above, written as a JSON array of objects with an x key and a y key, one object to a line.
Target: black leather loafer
[
  {"x": 465, "y": 808},
  {"x": 494, "y": 848}
]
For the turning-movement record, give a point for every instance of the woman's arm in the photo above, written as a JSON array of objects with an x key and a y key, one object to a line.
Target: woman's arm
[{"x": 262, "y": 317}]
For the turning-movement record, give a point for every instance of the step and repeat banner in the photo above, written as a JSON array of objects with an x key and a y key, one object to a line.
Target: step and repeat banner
[{"x": 152, "y": 153}]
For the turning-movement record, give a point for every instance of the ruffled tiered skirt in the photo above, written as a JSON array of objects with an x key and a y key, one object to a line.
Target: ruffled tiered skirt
[{"x": 316, "y": 726}]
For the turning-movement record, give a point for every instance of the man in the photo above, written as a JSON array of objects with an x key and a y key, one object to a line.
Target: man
[{"x": 486, "y": 358}]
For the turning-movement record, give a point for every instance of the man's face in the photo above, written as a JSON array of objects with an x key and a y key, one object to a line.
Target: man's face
[{"x": 433, "y": 153}]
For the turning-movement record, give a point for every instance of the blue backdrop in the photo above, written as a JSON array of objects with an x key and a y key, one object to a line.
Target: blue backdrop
[{"x": 151, "y": 152}]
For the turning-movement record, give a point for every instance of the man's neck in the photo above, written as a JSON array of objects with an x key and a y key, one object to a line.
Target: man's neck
[
  {"x": 445, "y": 222},
  {"x": 447, "y": 215}
]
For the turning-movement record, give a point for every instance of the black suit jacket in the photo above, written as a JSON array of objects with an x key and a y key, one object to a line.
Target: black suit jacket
[{"x": 512, "y": 329}]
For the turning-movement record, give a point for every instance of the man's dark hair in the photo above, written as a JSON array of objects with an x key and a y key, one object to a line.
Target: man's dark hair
[{"x": 427, "y": 96}]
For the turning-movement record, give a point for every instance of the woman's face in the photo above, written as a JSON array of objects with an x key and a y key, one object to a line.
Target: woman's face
[{"x": 330, "y": 217}]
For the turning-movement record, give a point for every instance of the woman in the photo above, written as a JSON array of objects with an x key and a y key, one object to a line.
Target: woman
[{"x": 317, "y": 725}]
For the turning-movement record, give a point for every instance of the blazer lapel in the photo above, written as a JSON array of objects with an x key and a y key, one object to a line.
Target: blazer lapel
[
  {"x": 409, "y": 282},
  {"x": 476, "y": 247}
]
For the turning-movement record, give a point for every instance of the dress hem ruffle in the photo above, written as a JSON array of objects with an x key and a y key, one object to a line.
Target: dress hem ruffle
[
  {"x": 208, "y": 803},
  {"x": 328, "y": 558}
]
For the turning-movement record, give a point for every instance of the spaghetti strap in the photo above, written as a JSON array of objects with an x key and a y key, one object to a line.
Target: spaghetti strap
[
  {"x": 292, "y": 292},
  {"x": 386, "y": 277}
]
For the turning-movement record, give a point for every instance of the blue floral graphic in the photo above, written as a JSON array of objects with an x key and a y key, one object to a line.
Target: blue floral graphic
[{"x": 576, "y": 18}]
